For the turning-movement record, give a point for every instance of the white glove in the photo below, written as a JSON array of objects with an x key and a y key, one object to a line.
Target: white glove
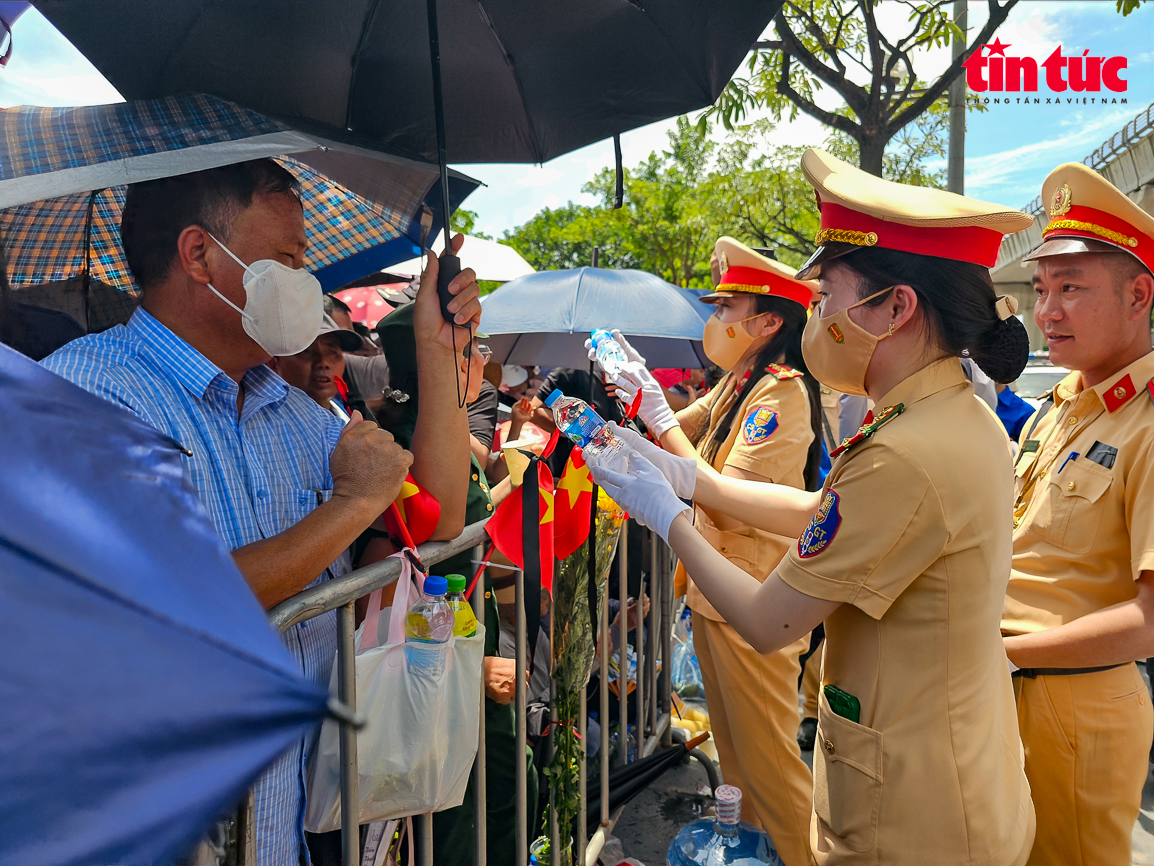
[
  {"x": 642, "y": 491},
  {"x": 680, "y": 472},
  {"x": 634, "y": 377}
]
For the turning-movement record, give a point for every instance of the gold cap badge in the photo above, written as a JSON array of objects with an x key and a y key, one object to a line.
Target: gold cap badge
[{"x": 1061, "y": 200}]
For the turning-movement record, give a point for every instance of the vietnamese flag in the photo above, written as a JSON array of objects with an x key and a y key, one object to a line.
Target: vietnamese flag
[
  {"x": 572, "y": 506},
  {"x": 506, "y": 526},
  {"x": 418, "y": 509}
]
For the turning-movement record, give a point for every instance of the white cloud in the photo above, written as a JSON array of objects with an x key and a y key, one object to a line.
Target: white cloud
[
  {"x": 536, "y": 175},
  {"x": 45, "y": 69}
]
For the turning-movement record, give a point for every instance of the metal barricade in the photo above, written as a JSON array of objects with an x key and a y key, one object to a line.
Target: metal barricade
[{"x": 652, "y": 690}]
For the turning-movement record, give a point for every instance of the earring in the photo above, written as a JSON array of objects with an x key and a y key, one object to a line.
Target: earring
[{"x": 891, "y": 333}]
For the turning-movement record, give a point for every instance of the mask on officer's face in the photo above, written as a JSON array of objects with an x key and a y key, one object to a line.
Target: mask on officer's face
[
  {"x": 725, "y": 343},
  {"x": 838, "y": 351}
]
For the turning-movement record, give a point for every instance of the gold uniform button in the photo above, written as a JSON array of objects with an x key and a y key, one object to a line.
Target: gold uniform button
[
  {"x": 488, "y": 506},
  {"x": 1073, "y": 420},
  {"x": 1070, "y": 485},
  {"x": 828, "y": 747},
  {"x": 475, "y": 476},
  {"x": 1119, "y": 392},
  {"x": 488, "y": 595}
]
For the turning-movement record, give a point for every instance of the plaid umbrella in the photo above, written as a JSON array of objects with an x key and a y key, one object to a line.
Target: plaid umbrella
[{"x": 63, "y": 171}]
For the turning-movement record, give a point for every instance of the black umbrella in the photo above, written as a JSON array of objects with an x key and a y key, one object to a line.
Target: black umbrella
[
  {"x": 627, "y": 781},
  {"x": 524, "y": 80}
]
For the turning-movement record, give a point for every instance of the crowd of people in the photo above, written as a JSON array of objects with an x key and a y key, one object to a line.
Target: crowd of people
[{"x": 983, "y": 588}]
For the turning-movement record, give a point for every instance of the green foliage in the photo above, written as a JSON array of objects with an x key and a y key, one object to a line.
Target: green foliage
[
  {"x": 839, "y": 45},
  {"x": 464, "y": 221},
  {"x": 1128, "y": 6},
  {"x": 679, "y": 201}
]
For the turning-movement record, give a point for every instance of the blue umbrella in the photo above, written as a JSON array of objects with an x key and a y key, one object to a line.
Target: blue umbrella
[
  {"x": 545, "y": 318},
  {"x": 142, "y": 689}
]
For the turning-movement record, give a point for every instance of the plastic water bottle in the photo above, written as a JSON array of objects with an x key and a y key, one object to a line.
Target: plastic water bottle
[
  {"x": 610, "y": 355},
  {"x": 723, "y": 840},
  {"x": 578, "y": 420},
  {"x": 428, "y": 627},
  {"x": 465, "y": 621}
]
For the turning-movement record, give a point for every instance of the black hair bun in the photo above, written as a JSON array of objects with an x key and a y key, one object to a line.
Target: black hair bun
[{"x": 1005, "y": 351}]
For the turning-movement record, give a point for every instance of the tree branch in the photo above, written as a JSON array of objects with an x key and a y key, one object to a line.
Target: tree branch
[
  {"x": 855, "y": 97},
  {"x": 935, "y": 91},
  {"x": 815, "y": 31},
  {"x": 811, "y": 108}
]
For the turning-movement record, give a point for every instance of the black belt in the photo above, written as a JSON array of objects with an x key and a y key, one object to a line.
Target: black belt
[{"x": 1031, "y": 673}]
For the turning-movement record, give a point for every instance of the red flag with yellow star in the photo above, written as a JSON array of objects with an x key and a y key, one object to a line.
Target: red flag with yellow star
[
  {"x": 506, "y": 525},
  {"x": 572, "y": 505},
  {"x": 418, "y": 508}
]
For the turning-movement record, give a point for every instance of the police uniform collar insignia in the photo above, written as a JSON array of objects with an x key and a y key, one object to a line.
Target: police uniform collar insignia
[
  {"x": 1061, "y": 200},
  {"x": 1150, "y": 389},
  {"x": 867, "y": 430},
  {"x": 1115, "y": 396}
]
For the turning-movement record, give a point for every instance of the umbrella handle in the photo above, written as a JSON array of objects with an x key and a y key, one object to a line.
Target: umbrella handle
[{"x": 450, "y": 266}]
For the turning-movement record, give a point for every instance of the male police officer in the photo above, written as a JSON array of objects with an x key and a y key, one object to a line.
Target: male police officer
[{"x": 1080, "y": 603}]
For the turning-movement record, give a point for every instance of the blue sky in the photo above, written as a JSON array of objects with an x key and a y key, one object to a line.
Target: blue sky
[{"x": 1009, "y": 149}]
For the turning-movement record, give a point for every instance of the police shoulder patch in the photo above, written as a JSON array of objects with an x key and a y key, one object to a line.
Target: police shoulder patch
[
  {"x": 822, "y": 528},
  {"x": 759, "y": 425},
  {"x": 780, "y": 371}
]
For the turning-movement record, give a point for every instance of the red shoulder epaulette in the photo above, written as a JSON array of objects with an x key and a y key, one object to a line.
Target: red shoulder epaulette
[
  {"x": 780, "y": 371},
  {"x": 867, "y": 430}
]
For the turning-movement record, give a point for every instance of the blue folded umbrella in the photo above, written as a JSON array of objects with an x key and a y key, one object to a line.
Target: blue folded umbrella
[{"x": 142, "y": 689}]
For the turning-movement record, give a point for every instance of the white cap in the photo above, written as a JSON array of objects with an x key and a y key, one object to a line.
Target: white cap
[{"x": 513, "y": 375}]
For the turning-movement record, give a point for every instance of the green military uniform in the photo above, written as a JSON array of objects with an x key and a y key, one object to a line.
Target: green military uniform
[{"x": 454, "y": 829}]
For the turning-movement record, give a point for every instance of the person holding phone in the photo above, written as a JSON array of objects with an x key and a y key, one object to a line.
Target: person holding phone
[
  {"x": 761, "y": 423},
  {"x": 905, "y": 553}
]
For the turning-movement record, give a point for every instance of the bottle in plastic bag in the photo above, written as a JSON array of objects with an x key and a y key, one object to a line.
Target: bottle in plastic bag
[
  {"x": 465, "y": 621},
  {"x": 578, "y": 420},
  {"x": 686, "y": 670},
  {"x": 723, "y": 840},
  {"x": 610, "y": 355},
  {"x": 428, "y": 627}
]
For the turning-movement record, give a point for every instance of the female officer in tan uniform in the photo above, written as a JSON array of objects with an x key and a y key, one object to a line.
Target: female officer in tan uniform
[
  {"x": 760, "y": 423},
  {"x": 906, "y": 552}
]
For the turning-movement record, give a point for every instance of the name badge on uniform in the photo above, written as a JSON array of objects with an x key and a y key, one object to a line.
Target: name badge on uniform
[
  {"x": 759, "y": 425},
  {"x": 822, "y": 528}
]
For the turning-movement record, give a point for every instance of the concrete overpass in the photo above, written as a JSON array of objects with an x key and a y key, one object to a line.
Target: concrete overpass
[{"x": 1127, "y": 161}]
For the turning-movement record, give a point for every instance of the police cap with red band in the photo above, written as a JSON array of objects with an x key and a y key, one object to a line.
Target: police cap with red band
[
  {"x": 746, "y": 271},
  {"x": 1088, "y": 214},
  {"x": 859, "y": 211}
]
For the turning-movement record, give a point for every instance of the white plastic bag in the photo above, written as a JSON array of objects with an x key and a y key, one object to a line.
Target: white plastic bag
[{"x": 416, "y": 751}]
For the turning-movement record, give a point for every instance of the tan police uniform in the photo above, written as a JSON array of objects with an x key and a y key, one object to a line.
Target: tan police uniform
[
  {"x": 911, "y": 538},
  {"x": 753, "y": 697},
  {"x": 915, "y": 548},
  {"x": 1083, "y": 533}
]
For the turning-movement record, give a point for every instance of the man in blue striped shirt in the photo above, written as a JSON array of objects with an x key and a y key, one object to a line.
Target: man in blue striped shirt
[{"x": 287, "y": 486}]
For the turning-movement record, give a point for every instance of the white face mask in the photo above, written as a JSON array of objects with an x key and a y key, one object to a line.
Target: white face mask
[{"x": 284, "y": 308}]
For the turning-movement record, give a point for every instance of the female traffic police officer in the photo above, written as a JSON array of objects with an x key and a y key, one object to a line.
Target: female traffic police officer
[
  {"x": 454, "y": 828},
  {"x": 760, "y": 423},
  {"x": 908, "y": 554}
]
